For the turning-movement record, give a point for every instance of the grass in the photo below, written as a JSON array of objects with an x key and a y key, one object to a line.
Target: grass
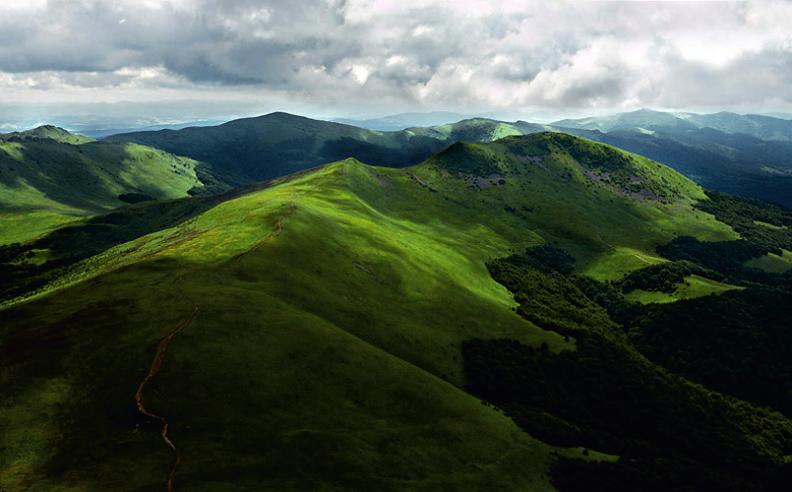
[
  {"x": 692, "y": 287},
  {"x": 326, "y": 351},
  {"x": 772, "y": 263},
  {"x": 48, "y": 132},
  {"x": 769, "y": 225},
  {"x": 620, "y": 261},
  {"x": 20, "y": 228},
  {"x": 45, "y": 183}
]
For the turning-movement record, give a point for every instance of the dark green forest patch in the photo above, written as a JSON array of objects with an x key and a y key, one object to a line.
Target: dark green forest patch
[{"x": 671, "y": 434}]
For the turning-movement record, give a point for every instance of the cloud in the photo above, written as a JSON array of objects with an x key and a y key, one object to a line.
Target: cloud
[{"x": 342, "y": 55}]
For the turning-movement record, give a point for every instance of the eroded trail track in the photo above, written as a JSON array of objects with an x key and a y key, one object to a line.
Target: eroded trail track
[
  {"x": 156, "y": 365},
  {"x": 275, "y": 232}
]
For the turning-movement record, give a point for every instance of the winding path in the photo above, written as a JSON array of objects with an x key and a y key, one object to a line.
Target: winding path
[
  {"x": 274, "y": 233},
  {"x": 162, "y": 349},
  {"x": 156, "y": 365}
]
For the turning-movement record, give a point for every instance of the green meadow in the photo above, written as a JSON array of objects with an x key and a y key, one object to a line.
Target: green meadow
[{"x": 332, "y": 305}]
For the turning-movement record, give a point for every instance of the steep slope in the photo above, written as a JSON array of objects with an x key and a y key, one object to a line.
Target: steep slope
[
  {"x": 737, "y": 164},
  {"x": 746, "y": 155},
  {"x": 53, "y": 177},
  {"x": 314, "y": 325}
]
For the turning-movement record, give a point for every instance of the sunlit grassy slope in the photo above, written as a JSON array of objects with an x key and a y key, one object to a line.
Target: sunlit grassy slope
[
  {"x": 772, "y": 262},
  {"x": 53, "y": 177},
  {"x": 693, "y": 286},
  {"x": 471, "y": 130},
  {"x": 47, "y": 132},
  {"x": 325, "y": 352}
]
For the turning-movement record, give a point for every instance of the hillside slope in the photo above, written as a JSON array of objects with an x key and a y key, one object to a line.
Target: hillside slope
[
  {"x": 746, "y": 155},
  {"x": 248, "y": 150},
  {"x": 53, "y": 176},
  {"x": 276, "y": 144},
  {"x": 312, "y": 328},
  {"x": 46, "y": 132},
  {"x": 736, "y": 164}
]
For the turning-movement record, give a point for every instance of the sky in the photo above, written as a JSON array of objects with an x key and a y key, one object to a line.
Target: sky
[{"x": 136, "y": 62}]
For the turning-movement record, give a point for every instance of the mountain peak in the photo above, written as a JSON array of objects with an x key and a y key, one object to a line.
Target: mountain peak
[
  {"x": 645, "y": 111},
  {"x": 51, "y": 132},
  {"x": 560, "y": 156}
]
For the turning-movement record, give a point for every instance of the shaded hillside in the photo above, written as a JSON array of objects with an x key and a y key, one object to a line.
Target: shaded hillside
[
  {"x": 53, "y": 176},
  {"x": 253, "y": 149},
  {"x": 671, "y": 434},
  {"x": 737, "y": 164},
  {"x": 277, "y": 144},
  {"x": 315, "y": 326},
  {"x": 746, "y": 155}
]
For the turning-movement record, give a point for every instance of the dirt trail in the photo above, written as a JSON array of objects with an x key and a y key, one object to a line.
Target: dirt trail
[
  {"x": 162, "y": 349},
  {"x": 156, "y": 365},
  {"x": 276, "y": 232}
]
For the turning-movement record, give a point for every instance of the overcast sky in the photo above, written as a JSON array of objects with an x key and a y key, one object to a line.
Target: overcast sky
[{"x": 172, "y": 59}]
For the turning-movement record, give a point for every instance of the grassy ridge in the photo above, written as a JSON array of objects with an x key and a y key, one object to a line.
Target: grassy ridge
[{"x": 332, "y": 310}]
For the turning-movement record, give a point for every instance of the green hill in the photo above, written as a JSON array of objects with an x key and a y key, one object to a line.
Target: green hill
[
  {"x": 470, "y": 130},
  {"x": 56, "y": 176},
  {"x": 253, "y": 149},
  {"x": 745, "y": 155},
  {"x": 642, "y": 118},
  {"x": 312, "y": 330},
  {"x": 46, "y": 132},
  {"x": 52, "y": 177},
  {"x": 277, "y": 144}
]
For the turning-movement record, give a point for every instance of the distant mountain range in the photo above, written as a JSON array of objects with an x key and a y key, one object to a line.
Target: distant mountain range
[
  {"x": 744, "y": 155},
  {"x": 748, "y": 155},
  {"x": 64, "y": 174},
  {"x": 404, "y": 120},
  {"x": 106, "y": 132},
  {"x": 763, "y": 127}
]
